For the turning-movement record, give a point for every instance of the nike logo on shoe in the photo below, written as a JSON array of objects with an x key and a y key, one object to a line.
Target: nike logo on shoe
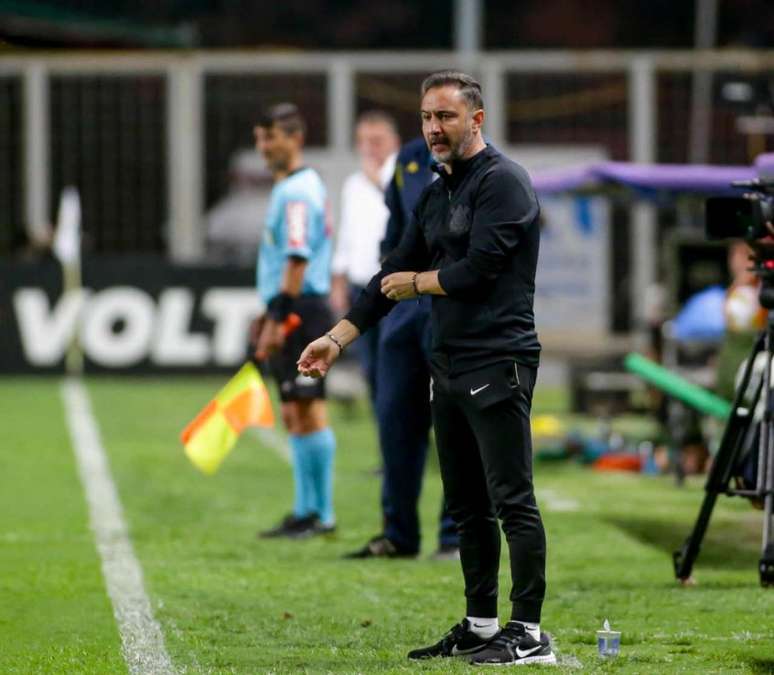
[
  {"x": 456, "y": 651},
  {"x": 521, "y": 653},
  {"x": 473, "y": 392}
]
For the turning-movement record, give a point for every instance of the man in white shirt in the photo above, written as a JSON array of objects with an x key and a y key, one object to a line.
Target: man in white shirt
[{"x": 363, "y": 222}]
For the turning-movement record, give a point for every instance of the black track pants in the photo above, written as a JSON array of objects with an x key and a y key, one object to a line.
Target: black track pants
[{"x": 482, "y": 430}]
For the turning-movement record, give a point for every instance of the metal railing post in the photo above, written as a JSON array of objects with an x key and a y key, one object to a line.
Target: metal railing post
[
  {"x": 185, "y": 161},
  {"x": 36, "y": 146},
  {"x": 341, "y": 106},
  {"x": 642, "y": 149},
  {"x": 495, "y": 102}
]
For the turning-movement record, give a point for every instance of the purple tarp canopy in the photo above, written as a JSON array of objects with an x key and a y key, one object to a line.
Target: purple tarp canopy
[{"x": 695, "y": 178}]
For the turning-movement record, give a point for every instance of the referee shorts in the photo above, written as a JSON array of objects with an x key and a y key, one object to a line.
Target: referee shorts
[{"x": 316, "y": 318}]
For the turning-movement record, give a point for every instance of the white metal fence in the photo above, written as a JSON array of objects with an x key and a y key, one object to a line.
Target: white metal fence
[{"x": 147, "y": 136}]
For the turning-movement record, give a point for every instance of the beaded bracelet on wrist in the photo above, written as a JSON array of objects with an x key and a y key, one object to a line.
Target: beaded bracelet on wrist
[{"x": 336, "y": 342}]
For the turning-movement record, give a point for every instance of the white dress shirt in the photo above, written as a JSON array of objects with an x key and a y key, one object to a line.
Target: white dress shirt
[{"x": 363, "y": 224}]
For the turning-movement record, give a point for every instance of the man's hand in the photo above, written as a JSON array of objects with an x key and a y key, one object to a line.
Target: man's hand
[
  {"x": 271, "y": 339},
  {"x": 318, "y": 356},
  {"x": 399, "y": 286},
  {"x": 256, "y": 327}
]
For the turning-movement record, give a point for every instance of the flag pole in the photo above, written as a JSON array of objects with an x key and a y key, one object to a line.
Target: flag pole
[
  {"x": 72, "y": 284},
  {"x": 67, "y": 249}
]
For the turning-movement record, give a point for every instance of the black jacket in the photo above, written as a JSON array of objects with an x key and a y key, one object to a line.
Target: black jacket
[{"x": 479, "y": 227}]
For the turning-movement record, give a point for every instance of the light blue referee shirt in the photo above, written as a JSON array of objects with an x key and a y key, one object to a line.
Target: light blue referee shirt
[{"x": 297, "y": 224}]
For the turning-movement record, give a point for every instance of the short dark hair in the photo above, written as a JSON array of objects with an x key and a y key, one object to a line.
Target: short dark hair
[
  {"x": 469, "y": 87},
  {"x": 286, "y": 116},
  {"x": 377, "y": 117}
]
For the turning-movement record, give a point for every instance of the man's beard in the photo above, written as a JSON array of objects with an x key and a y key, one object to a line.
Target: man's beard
[
  {"x": 456, "y": 151},
  {"x": 278, "y": 163}
]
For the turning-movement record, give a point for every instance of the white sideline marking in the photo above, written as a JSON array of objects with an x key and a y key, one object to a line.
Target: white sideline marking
[
  {"x": 141, "y": 637},
  {"x": 555, "y": 502}
]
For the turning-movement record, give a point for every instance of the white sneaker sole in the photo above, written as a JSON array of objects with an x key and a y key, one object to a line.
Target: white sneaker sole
[{"x": 546, "y": 660}]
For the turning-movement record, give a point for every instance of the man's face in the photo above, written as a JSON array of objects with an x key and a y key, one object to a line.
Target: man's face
[
  {"x": 375, "y": 142},
  {"x": 739, "y": 264},
  {"x": 448, "y": 125},
  {"x": 276, "y": 146}
]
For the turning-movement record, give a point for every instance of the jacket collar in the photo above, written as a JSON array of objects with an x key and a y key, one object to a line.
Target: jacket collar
[{"x": 462, "y": 167}]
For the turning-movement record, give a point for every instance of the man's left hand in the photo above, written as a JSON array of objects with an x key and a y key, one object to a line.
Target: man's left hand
[
  {"x": 271, "y": 340},
  {"x": 399, "y": 286}
]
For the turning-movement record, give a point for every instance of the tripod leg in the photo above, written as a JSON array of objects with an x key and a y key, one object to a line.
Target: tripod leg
[
  {"x": 766, "y": 481},
  {"x": 717, "y": 481},
  {"x": 685, "y": 557},
  {"x": 766, "y": 563}
]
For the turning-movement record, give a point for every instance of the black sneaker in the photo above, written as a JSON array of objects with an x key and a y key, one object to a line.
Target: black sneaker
[
  {"x": 315, "y": 529},
  {"x": 459, "y": 641},
  {"x": 514, "y": 646},
  {"x": 379, "y": 547},
  {"x": 291, "y": 526}
]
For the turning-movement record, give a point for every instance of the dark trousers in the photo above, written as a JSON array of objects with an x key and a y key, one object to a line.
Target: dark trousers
[
  {"x": 403, "y": 415},
  {"x": 482, "y": 430},
  {"x": 367, "y": 350}
]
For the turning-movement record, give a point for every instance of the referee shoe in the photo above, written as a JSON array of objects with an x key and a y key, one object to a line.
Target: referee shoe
[
  {"x": 513, "y": 646},
  {"x": 459, "y": 641},
  {"x": 291, "y": 526}
]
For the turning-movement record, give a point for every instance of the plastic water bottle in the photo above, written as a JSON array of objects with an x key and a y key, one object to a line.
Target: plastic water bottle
[{"x": 608, "y": 641}]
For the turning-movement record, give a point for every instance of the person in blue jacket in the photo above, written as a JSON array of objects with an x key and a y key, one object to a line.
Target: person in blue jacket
[{"x": 404, "y": 379}]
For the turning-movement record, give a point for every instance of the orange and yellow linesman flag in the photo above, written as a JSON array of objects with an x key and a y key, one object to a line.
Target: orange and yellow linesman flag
[{"x": 243, "y": 402}]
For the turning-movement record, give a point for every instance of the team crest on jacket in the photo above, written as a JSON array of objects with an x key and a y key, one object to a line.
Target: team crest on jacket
[{"x": 460, "y": 219}]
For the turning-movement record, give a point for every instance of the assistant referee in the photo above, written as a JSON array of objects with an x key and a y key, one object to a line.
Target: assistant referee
[{"x": 473, "y": 246}]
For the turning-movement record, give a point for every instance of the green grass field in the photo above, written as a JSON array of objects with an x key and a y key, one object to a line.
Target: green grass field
[{"x": 228, "y": 603}]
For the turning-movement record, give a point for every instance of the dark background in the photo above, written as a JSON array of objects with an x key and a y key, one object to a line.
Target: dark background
[{"x": 361, "y": 24}]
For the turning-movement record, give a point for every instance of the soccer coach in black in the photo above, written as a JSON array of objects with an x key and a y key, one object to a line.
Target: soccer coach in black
[{"x": 473, "y": 246}]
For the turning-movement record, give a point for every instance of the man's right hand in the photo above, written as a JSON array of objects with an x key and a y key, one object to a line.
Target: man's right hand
[{"x": 318, "y": 356}]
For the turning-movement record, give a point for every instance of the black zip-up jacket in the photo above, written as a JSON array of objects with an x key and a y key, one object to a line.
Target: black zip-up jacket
[{"x": 479, "y": 227}]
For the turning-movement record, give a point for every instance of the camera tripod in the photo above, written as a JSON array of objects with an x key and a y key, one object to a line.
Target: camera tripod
[{"x": 738, "y": 437}]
